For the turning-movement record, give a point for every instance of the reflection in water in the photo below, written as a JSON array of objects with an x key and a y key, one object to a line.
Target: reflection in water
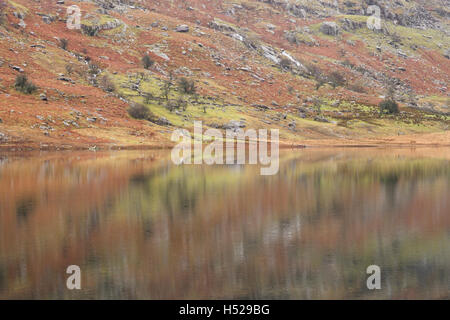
[{"x": 140, "y": 227}]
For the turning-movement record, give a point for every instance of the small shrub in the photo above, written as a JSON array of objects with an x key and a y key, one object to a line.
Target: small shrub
[
  {"x": 147, "y": 62},
  {"x": 347, "y": 63},
  {"x": 318, "y": 102},
  {"x": 396, "y": 38},
  {"x": 320, "y": 82},
  {"x": 361, "y": 69},
  {"x": 389, "y": 106},
  {"x": 138, "y": 111},
  {"x": 171, "y": 105},
  {"x": 187, "y": 85},
  {"x": 63, "y": 43},
  {"x": 314, "y": 70},
  {"x": 69, "y": 69},
  {"x": 107, "y": 84},
  {"x": 358, "y": 87},
  {"x": 148, "y": 97},
  {"x": 2, "y": 11},
  {"x": 182, "y": 104},
  {"x": 94, "y": 69},
  {"x": 22, "y": 84},
  {"x": 336, "y": 79},
  {"x": 290, "y": 89},
  {"x": 166, "y": 89},
  {"x": 167, "y": 86},
  {"x": 317, "y": 74}
]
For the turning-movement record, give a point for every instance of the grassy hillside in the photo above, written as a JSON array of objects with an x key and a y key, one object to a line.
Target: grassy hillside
[{"x": 312, "y": 69}]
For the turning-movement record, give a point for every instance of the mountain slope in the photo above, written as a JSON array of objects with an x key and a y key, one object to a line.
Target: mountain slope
[{"x": 313, "y": 69}]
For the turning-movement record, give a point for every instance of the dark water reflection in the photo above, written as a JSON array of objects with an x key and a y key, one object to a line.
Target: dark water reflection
[{"x": 140, "y": 227}]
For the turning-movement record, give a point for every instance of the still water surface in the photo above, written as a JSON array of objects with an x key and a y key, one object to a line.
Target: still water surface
[{"x": 140, "y": 227}]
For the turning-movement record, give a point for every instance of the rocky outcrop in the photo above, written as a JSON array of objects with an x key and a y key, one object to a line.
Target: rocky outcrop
[
  {"x": 329, "y": 28},
  {"x": 93, "y": 30},
  {"x": 349, "y": 25},
  {"x": 218, "y": 25}
]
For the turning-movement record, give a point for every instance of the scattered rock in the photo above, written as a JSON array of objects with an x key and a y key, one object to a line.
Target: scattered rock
[
  {"x": 62, "y": 78},
  {"x": 182, "y": 28},
  {"x": 19, "y": 15},
  {"x": 234, "y": 125},
  {"x": 261, "y": 106},
  {"x": 162, "y": 121},
  {"x": 402, "y": 54},
  {"x": 16, "y": 68},
  {"x": 321, "y": 119},
  {"x": 22, "y": 24},
  {"x": 447, "y": 54},
  {"x": 47, "y": 19}
]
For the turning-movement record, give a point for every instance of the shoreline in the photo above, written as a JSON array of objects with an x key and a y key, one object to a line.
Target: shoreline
[
  {"x": 326, "y": 143},
  {"x": 418, "y": 140}
]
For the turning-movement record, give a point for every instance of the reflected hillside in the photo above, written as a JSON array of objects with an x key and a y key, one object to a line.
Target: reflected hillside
[{"x": 140, "y": 227}]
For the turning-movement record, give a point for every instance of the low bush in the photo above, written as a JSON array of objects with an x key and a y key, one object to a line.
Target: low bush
[
  {"x": 23, "y": 85},
  {"x": 63, "y": 43},
  {"x": 107, "y": 84},
  {"x": 357, "y": 87},
  {"x": 139, "y": 111},
  {"x": 187, "y": 85},
  {"x": 336, "y": 79},
  {"x": 147, "y": 62},
  {"x": 389, "y": 106}
]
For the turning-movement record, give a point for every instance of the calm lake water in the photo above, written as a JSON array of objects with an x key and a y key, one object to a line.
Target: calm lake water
[{"x": 140, "y": 227}]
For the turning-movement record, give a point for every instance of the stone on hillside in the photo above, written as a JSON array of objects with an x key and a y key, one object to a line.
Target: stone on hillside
[
  {"x": 329, "y": 28},
  {"x": 62, "y": 78},
  {"x": 234, "y": 125},
  {"x": 321, "y": 119},
  {"x": 46, "y": 19},
  {"x": 19, "y": 15},
  {"x": 402, "y": 54},
  {"x": 16, "y": 68},
  {"x": 22, "y": 24},
  {"x": 162, "y": 121},
  {"x": 447, "y": 54},
  {"x": 182, "y": 28}
]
